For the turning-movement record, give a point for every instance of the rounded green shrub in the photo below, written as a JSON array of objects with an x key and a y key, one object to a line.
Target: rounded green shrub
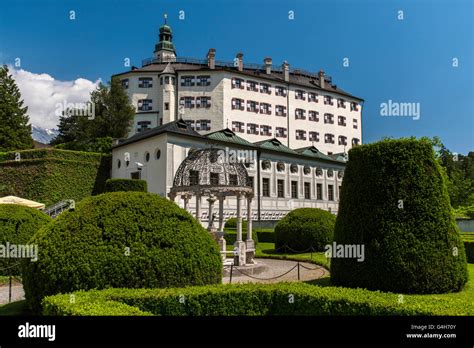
[
  {"x": 121, "y": 239},
  {"x": 17, "y": 225},
  {"x": 117, "y": 185},
  {"x": 303, "y": 229},
  {"x": 232, "y": 223},
  {"x": 395, "y": 204}
]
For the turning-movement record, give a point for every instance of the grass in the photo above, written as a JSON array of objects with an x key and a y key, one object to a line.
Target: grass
[{"x": 15, "y": 308}]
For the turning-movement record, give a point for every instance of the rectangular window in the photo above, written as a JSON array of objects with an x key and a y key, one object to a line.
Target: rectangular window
[
  {"x": 307, "y": 190},
  {"x": 203, "y": 102},
  {"x": 252, "y": 86},
  {"x": 265, "y": 187},
  {"x": 167, "y": 80},
  {"x": 342, "y": 140},
  {"x": 145, "y": 105},
  {"x": 281, "y": 188},
  {"x": 265, "y": 88},
  {"x": 329, "y": 118},
  {"x": 328, "y": 100},
  {"x": 252, "y": 128},
  {"x": 299, "y": 94},
  {"x": 265, "y": 109},
  {"x": 354, "y": 106},
  {"x": 193, "y": 177},
  {"x": 341, "y": 103},
  {"x": 135, "y": 175},
  {"x": 300, "y": 134},
  {"x": 187, "y": 81},
  {"x": 190, "y": 123},
  {"x": 294, "y": 189},
  {"x": 355, "y": 141},
  {"x": 204, "y": 80},
  {"x": 237, "y": 83},
  {"x": 280, "y": 110},
  {"x": 203, "y": 125},
  {"x": 237, "y": 104},
  {"x": 188, "y": 102},
  {"x": 143, "y": 126},
  {"x": 252, "y": 106},
  {"x": 341, "y": 121},
  {"x": 238, "y": 127},
  {"x": 355, "y": 124},
  {"x": 330, "y": 192},
  {"x": 280, "y": 132},
  {"x": 312, "y": 97},
  {"x": 319, "y": 191},
  {"x": 313, "y": 136},
  {"x": 214, "y": 179},
  {"x": 167, "y": 106},
  {"x": 329, "y": 138},
  {"x": 265, "y": 130},
  {"x": 280, "y": 91},
  {"x": 125, "y": 83},
  {"x": 251, "y": 182},
  {"x": 300, "y": 114},
  {"x": 145, "y": 82},
  {"x": 313, "y": 116}
]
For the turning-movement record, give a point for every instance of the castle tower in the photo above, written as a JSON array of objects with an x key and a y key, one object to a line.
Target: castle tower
[
  {"x": 164, "y": 49},
  {"x": 168, "y": 93}
]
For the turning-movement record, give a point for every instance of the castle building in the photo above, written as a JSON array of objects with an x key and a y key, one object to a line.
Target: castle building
[{"x": 299, "y": 124}]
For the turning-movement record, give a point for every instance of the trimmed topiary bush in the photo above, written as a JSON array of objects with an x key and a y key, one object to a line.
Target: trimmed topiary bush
[
  {"x": 121, "y": 239},
  {"x": 17, "y": 226},
  {"x": 117, "y": 185},
  {"x": 303, "y": 229},
  {"x": 232, "y": 223},
  {"x": 395, "y": 203}
]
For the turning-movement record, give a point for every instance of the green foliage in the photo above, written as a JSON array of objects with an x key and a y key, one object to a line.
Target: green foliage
[
  {"x": 15, "y": 133},
  {"x": 395, "y": 203},
  {"x": 464, "y": 212},
  {"x": 17, "y": 226},
  {"x": 49, "y": 175},
  {"x": 113, "y": 119},
  {"x": 305, "y": 228},
  {"x": 121, "y": 239},
  {"x": 231, "y": 235},
  {"x": 232, "y": 223},
  {"x": 116, "y": 185},
  {"x": 250, "y": 300},
  {"x": 266, "y": 236}
]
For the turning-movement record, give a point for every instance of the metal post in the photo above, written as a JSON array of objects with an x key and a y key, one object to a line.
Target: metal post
[
  {"x": 231, "y": 270},
  {"x": 298, "y": 270},
  {"x": 10, "y": 291}
]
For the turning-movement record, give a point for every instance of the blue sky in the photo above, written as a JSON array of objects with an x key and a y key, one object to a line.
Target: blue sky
[{"x": 407, "y": 60}]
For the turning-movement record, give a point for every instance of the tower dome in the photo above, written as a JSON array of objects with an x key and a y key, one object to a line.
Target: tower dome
[{"x": 164, "y": 48}]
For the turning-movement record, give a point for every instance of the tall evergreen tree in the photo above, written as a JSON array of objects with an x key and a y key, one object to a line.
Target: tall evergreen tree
[{"x": 15, "y": 133}]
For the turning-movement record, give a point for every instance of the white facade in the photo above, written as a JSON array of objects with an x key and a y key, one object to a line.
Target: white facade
[{"x": 209, "y": 95}]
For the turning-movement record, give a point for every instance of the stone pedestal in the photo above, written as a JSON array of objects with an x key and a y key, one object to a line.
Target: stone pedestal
[
  {"x": 250, "y": 252},
  {"x": 240, "y": 253}
]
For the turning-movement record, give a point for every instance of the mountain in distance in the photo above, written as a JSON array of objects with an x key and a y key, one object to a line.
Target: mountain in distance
[{"x": 43, "y": 135}]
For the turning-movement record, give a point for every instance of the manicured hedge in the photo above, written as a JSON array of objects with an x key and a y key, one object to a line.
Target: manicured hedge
[
  {"x": 17, "y": 226},
  {"x": 395, "y": 203},
  {"x": 121, "y": 239},
  {"x": 116, "y": 185},
  {"x": 231, "y": 235},
  {"x": 305, "y": 228},
  {"x": 250, "y": 299},
  {"x": 49, "y": 176},
  {"x": 266, "y": 236},
  {"x": 232, "y": 223}
]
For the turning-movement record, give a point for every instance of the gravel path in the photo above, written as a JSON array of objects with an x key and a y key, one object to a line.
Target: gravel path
[
  {"x": 276, "y": 269},
  {"x": 17, "y": 293}
]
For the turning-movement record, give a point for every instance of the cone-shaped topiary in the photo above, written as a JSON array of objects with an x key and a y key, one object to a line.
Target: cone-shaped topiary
[
  {"x": 121, "y": 239},
  {"x": 304, "y": 229},
  {"x": 395, "y": 203},
  {"x": 17, "y": 225}
]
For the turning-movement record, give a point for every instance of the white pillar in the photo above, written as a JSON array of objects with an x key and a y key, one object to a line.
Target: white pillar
[
  {"x": 198, "y": 207},
  {"x": 210, "y": 226},
  {"x": 239, "y": 218},
  {"x": 221, "y": 213},
  {"x": 249, "y": 218},
  {"x": 186, "y": 201}
]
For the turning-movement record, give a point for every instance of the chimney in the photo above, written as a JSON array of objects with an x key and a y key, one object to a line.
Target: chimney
[
  {"x": 321, "y": 78},
  {"x": 286, "y": 71},
  {"x": 268, "y": 65},
  {"x": 240, "y": 61},
  {"x": 211, "y": 58}
]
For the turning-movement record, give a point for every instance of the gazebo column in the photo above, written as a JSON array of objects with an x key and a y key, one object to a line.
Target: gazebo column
[
  {"x": 240, "y": 250},
  {"x": 220, "y": 233},
  {"x": 210, "y": 226},
  {"x": 221, "y": 213},
  {"x": 186, "y": 201},
  {"x": 250, "y": 245},
  {"x": 198, "y": 207}
]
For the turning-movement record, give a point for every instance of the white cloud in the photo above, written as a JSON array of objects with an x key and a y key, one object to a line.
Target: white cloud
[{"x": 42, "y": 93}]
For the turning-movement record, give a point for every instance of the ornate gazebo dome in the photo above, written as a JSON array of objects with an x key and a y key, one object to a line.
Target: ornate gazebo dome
[{"x": 210, "y": 171}]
